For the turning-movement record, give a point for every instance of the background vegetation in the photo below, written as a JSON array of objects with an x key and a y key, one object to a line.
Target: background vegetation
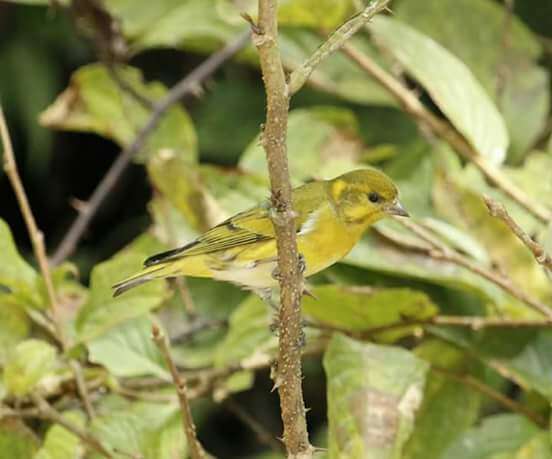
[{"x": 426, "y": 342}]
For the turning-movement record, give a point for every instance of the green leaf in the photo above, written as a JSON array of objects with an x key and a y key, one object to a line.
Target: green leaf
[
  {"x": 140, "y": 429},
  {"x": 451, "y": 85},
  {"x": 233, "y": 192},
  {"x": 322, "y": 143},
  {"x": 503, "y": 60},
  {"x": 505, "y": 436},
  {"x": 362, "y": 309},
  {"x": 59, "y": 443},
  {"x": 27, "y": 364},
  {"x": 93, "y": 102},
  {"x": 102, "y": 312},
  {"x": 373, "y": 395},
  {"x": 249, "y": 335},
  {"x": 16, "y": 276},
  {"x": 128, "y": 350},
  {"x": 17, "y": 441},
  {"x": 458, "y": 239},
  {"x": 14, "y": 325}
]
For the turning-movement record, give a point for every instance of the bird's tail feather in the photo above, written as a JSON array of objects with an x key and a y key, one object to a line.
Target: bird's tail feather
[{"x": 146, "y": 275}]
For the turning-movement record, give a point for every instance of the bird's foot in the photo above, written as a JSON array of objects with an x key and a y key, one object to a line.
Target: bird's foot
[{"x": 301, "y": 264}]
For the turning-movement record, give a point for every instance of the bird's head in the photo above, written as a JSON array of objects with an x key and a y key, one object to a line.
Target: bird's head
[{"x": 364, "y": 196}]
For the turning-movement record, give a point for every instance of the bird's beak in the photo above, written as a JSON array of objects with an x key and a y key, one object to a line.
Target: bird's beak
[{"x": 396, "y": 208}]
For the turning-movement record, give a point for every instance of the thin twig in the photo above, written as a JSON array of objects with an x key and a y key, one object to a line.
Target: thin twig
[
  {"x": 47, "y": 412},
  {"x": 264, "y": 436},
  {"x": 474, "y": 323},
  {"x": 196, "y": 450},
  {"x": 441, "y": 251},
  {"x": 274, "y": 140},
  {"x": 81, "y": 388},
  {"x": 333, "y": 43},
  {"x": 497, "y": 209},
  {"x": 36, "y": 236},
  {"x": 37, "y": 240},
  {"x": 445, "y": 131},
  {"x": 181, "y": 89},
  {"x": 493, "y": 394}
]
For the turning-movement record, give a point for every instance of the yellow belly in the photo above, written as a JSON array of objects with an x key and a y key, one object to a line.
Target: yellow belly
[{"x": 327, "y": 242}]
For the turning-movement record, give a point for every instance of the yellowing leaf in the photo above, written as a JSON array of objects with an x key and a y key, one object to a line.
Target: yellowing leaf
[
  {"x": 94, "y": 102},
  {"x": 374, "y": 393}
]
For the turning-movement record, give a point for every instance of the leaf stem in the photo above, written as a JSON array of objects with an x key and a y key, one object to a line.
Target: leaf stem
[{"x": 497, "y": 209}]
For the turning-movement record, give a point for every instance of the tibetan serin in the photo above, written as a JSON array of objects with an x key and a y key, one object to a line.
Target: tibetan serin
[{"x": 331, "y": 217}]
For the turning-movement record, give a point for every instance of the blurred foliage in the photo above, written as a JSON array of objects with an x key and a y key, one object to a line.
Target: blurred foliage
[{"x": 393, "y": 386}]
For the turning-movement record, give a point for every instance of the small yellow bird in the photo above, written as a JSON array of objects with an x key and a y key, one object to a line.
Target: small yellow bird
[{"x": 331, "y": 217}]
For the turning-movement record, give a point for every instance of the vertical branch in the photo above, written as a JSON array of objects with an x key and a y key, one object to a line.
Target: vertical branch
[
  {"x": 194, "y": 446},
  {"x": 37, "y": 240},
  {"x": 288, "y": 375}
]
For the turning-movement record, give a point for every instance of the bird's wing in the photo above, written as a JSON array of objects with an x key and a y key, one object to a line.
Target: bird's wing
[{"x": 247, "y": 227}]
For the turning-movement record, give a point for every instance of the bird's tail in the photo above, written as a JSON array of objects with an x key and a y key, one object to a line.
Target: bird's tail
[{"x": 146, "y": 275}]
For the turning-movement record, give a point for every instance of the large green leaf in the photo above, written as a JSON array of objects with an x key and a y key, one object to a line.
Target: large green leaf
[
  {"x": 128, "y": 350},
  {"x": 59, "y": 443},
  {"x": 27, "y": 364},
  {"x": 17, "y": 441},
  {"x": 94, "y": 102},
  {"x": 450, "y": 83},
  {"x": 102, "y": 312},
  {"x": 502, "y": 57},
  {"x": 506, "y": 436},
  {"x": 357, "y": 309},
  {"x": 373, "y": 395},
  {"x": 140, "y": 429}
]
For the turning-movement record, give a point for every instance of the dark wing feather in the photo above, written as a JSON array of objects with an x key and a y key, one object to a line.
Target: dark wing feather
[{"x": 244, "y": 228}]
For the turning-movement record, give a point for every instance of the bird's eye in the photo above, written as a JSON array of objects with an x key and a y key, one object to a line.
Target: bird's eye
[{"x": 373, "y": 197}]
